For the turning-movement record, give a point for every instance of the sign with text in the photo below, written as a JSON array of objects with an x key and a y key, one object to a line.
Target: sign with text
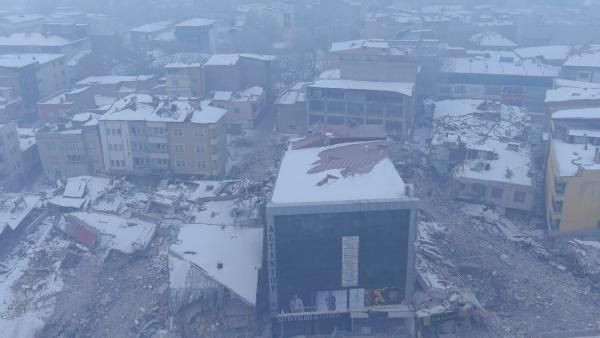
[{"x": 350, "y": 246}]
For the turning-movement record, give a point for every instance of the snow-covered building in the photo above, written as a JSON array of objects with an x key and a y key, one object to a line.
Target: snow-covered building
[
  {"x": 143, "y": 134},
  {"x": 490, "y": 40},
  {"x": 362, "y": 102},
  {"x": 244, "y": 108},
  {"x": 583, "y": 66},
  {"x": 337, "y": 216},
  {"x": 553, "y": 54},
  {"x": 568, "y": 94},
  {"x": 573, "y": 171},
  {"x": 290, "y": 109},
  {"x": 184, "y": 79},
  {"x": 508, "y": 79},
  {"x": 484, "y": 147},
  {"x": 235, "y": 72}
]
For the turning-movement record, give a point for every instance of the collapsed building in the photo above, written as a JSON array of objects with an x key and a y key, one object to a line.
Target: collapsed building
[{"x": 484, "y": 148}]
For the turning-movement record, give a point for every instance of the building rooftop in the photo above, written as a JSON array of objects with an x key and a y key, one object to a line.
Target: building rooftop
[
  {"x": 232, "y": 59},
  {"x": 33, "y": 39},
  {"x": 570, "y": 158},
  {"x": 493, "y": 66},
  {"x": 492, "y": 39},
  {"x": 17, "y": 19},
  {"x": 23, "y": 60},
  {"x": 14, "y": 208},
  {"x": 176, "y": 65},
  {"x": 295, "y": 94},
  {"x": 404, "y": 88},
  {"x": 232, "y": 256},
  {"x": 334, "y": 133},
  {"x": 112, "y": 79},
  {"x": 387, "y": 47},
  {"x": 576, "y": 114},
  {"x": 564, "y": 94},
  {"x": 196, "y": 22},
  {"x": 584, "y": 59},
  {"x": 343, "y": 172},
  {"x": 548, "y": 53},
  {"x": 152, "y": 27},
  {"x": 251, "y": 94}
]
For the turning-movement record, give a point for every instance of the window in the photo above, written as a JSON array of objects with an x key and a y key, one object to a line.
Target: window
[
  {"x": 445, "y": 90},
  {"x": 201, "y": 164},
  {"x": 236, "y": 110},
  {"x": 555, "y": 224},
  {"x": 560, "y": 188},
  {"x": 460, "y": 90},
  {"x": 513, "y": 91},
  {"x": 493, "y": 90},
  {"x": 317, "y": 105},
  {"x": 519, "y": 196},
  {"x": 133, "y": 131},
  {"x": 478, "y": 188},
  {"x": 178, "y": 132},
  {"x": 159, "y": 131},
  {"x": 497, "y": 193},
  {"x": 557, "y": 206},
  {"x": 199, "y": 132},
  {"x": 583, "y": 76},
  {"x": 179, "y": 148},
  {"x": 336, "y": 107},
  {"x": 180, "y": 163},
  {"x": 200, "y": 148}
]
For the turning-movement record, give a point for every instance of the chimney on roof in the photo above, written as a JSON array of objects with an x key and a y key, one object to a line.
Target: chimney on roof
[{"x": 597, "y": 156}]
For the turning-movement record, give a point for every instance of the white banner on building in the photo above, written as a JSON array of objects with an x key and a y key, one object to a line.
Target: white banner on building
[{"x": 349, "y": 261}]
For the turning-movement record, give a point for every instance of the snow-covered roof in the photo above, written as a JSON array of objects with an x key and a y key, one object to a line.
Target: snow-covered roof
[
  {"x": 330, "y": 74},
  {"x": 232, "y": 59},
  {"x": 196, "y": 22},
  {"x": 510, "y": 166},
  {"x": 564, "y": 94},
  {"x": 22, "y": 60},
  {"x": 247, "y": 95},
  {"x": 75, "y": 187},
  {"x": 183, "y": 65},
  {"x": 232, "y": 256},
  {"x": 223, "y": 60},
  {"x": 117, "y": 233},
  {"x": 585, "y": 59},
  {"x": 344, "y": 172},
  {"x": 208, "y": 114},
  {"x": 492, "y": 39},
  {"x": 26, "y": 138},
  {"x": 152, "y": 27},
  {"x": 80, "y": 190},
  {"x": 404, "y": 88},
  {"x": 112, "y": 79},
  {"x": 576, "y": 114},
  {"x": 17, "y": 19},
  {"x": 482, "y": 65},
  {"x": 295, "y": 94},
  {"x": 14, "y": 208},
  {"x": 549, "y": 53},
  {"x": 33, "y": 39},
  {"x": 385, "y": 46},
  {"x": 575, "y": 84},
  {"x": 571, "y": 157}
]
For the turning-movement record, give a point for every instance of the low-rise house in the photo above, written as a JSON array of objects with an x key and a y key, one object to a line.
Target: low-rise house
[
  {"x": 483, "y": 147},
  {"x": 490, "y": 40},
  {"x": 573, "y": 171},
  {"x": 290, "y": 109},
  {"x": 244, "y": 108},
  {"x": 17, "y": 211},
  {"x": 568, "y": 94},
  {"x": 143, "y": 134},
  {"x": 143, "y": 36},
  {"x": 40, "y": 43},
  {"x": 583, "y": 66}
]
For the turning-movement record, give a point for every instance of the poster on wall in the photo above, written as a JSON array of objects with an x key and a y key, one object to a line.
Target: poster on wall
[
  {"x": 330, "y": 301},
  {"x": 350, "y": 246}
]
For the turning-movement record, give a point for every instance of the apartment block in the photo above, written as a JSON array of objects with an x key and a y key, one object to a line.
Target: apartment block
[
  {"x": 573, "y": 171},
  {"x": 362, "y": 102},
  {"x": 184, "y": 79},
  {"x": 71, "y": 149},
  {"x": 144, "y": 134},
  {"x": 244, "y": 108},
  {"x": 235, "y": 72},
  {"x": 11, "y": 173}
]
